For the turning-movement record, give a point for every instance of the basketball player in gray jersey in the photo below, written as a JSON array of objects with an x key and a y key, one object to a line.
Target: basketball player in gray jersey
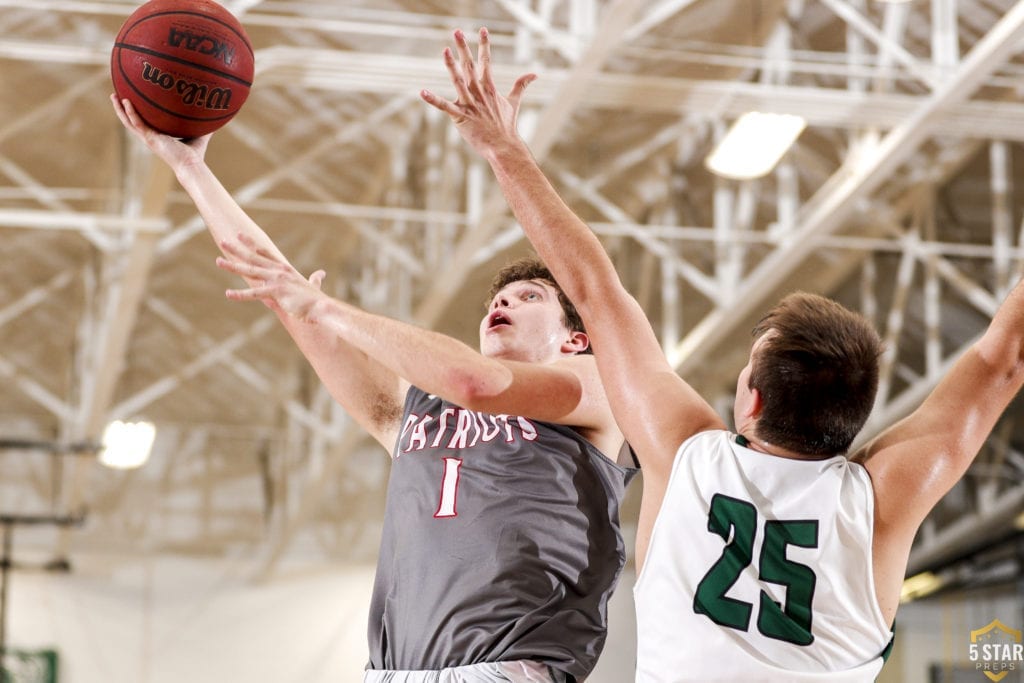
[{"x": 501, "y": 541}]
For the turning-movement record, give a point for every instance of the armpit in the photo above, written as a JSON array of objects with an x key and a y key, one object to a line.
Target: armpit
[{"x": 385, "y": 411}]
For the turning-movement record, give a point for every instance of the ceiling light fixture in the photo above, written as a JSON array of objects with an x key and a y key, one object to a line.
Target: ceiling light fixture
[
  {"x": 919, "y": 586},
  {"x": 754, "y": 145},
  {"x": 1018, "y": 522},
  {"x": 126, "y": 445}
]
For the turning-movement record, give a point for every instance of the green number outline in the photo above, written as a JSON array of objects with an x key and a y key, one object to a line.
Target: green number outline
[
  {"x": 710, "y": 598},
  {"x": 790, "y": 622}
]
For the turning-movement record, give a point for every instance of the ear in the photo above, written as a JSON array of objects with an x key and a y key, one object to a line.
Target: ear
[
  {"x": 754, "y": 404},
  {"x": 577, "y": 342}
]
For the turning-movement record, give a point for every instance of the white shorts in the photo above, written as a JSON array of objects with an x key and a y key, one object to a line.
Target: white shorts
[{"x": 497, "y": 672}]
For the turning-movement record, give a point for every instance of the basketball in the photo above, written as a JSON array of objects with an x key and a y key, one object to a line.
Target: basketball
[{"x": 185, "y": 65}]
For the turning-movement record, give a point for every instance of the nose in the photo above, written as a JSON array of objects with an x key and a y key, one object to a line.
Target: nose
[{"x": 501, "y": 301}]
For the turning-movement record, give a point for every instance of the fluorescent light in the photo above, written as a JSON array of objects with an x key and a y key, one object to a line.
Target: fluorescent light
[
  {"x": 126, "y": 445},
  {"x": 919, "y": 586},
  {"x": 1018, "y": 521},
  {"x": 754, "y": 144}
]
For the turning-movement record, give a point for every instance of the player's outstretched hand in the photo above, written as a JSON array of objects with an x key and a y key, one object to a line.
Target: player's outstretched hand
[
  {"x": 271, "y": 279},
  {"x": 175, "y": 153},
  {"x": 484, "y": 118}
]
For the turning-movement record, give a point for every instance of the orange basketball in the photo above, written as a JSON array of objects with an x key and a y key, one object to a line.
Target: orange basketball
[{"x": 185, "y": 65}]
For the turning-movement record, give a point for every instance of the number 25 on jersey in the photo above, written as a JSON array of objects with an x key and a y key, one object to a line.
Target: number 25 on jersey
[{"x": 790, "y": 622}]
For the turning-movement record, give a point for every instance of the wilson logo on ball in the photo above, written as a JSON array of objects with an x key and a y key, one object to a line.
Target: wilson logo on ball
[{"x": 192, "y": 94}]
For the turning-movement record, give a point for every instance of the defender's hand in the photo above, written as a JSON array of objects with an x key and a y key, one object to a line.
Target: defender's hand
[{"x": 484, "y": 118}]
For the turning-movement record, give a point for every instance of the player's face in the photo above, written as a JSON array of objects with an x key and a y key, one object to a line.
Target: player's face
[{"x": 524, "y": 322}]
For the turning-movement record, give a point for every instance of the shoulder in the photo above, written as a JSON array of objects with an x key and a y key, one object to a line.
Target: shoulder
[
  {"x": 592, "y": 415},
  {"x": 584, "y": 367},
  {"x": 578, "y": 372},
  {"x": 706, "y": 443},
  {"x": 583, "y": 362}
]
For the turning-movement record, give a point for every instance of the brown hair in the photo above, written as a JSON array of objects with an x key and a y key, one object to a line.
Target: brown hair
[
  {"x": 817, "y": 374},
  {"x": 528, "y": 268}
]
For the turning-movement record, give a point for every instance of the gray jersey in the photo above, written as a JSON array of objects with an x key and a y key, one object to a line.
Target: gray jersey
[{"x": 501, "y": 542}]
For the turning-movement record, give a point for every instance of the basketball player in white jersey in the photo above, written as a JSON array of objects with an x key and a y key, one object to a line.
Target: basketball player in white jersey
[
  {"x": 768, "y": 553},
  {"x": 501, "y": 542}
]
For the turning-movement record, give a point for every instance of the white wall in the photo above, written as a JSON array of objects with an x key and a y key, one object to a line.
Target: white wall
[
  {"x": 172, "y": 619},
  {"x": 938, "y": 632},
  {"x": 169, "y": 619},
  {"x": 618, "y": 662}
]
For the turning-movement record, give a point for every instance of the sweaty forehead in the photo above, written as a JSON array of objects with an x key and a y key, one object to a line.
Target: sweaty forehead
[{"x": 531, "y": 284}]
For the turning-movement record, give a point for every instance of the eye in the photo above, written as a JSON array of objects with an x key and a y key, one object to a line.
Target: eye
[{"x": 531, "y": 296}]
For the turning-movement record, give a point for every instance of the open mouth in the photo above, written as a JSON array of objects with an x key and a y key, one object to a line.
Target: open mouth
[{"x": 497, "y": 319}]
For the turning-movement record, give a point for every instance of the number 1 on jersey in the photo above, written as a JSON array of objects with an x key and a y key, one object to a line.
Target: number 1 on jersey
[{"x": 449, "y": 488}]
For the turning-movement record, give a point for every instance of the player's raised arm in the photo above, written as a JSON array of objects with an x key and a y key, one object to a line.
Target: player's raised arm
[
  {"x": 223, "y": 216},
  {"x": 656, "y": 409},
  {"x": 368, "y": 391},
  {"x": 916, "y": 462}
]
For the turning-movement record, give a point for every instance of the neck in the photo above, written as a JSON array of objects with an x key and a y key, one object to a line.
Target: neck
[{"x": 770, "y": 449}]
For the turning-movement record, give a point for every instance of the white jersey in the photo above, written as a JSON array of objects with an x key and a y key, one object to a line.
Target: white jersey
[{"x": 759, "y": 569}]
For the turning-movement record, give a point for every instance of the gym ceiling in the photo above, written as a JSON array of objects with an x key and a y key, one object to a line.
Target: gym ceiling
[{"x": 899, "y": 199}]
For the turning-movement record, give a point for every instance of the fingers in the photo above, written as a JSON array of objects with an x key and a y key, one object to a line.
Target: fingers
[
  {"x": 250, "y": 294},
  {"x": 478, "y": 108},
  {"x": 469, "y": 71},
  {"x": 465, "y": 57},
  {"x": 484, "y": 56},
  {"x": 241, "y": 268},
  {"x": 519, "y": 87},
  {"x": 244, "y": 259},
  {"x": 133, "y": 116},
  {"x": 126, "y": 114},
  {"x": 131, "y": 120},
  {"x": 121, "y": 111},
  {"x": 475, "y": 87},
  {"x": 440, "y": 103},
  {"x": 457, "y": 76},
  {"x": 237, "y": 250},
  {"x": 260, "y": 267},
  {"x": 244, "y": 248},
  {"x": 471, "y": 89}
]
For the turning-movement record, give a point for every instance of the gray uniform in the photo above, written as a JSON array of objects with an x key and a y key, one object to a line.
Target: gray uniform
[{"x": 501, "y": 542}]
